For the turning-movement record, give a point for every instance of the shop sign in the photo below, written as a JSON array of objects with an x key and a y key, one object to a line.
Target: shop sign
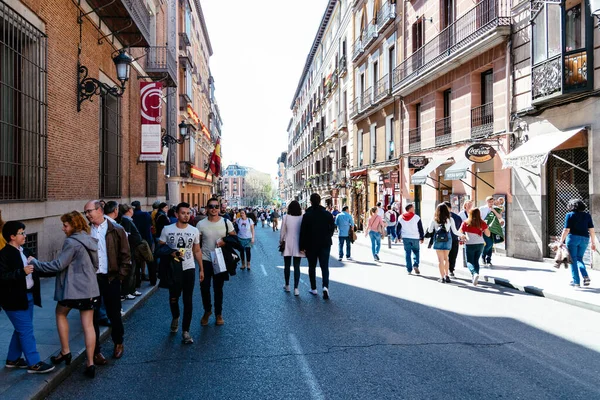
[
  {"x": 417, "y": 162},
  {"x": 480, "y": 153},
  {"x": 150, "y": 111}
]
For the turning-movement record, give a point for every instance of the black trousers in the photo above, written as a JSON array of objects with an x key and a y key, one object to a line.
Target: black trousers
[
  {"x": 321, "y": 255},
  {"x": 187, "y": 288},
  {"x": 111, "y": 297},
  {"x": 218, "y": 282},
  {"x": 453, "y": 254},
  {"x": 287, "y": 262},
  {"x": 246, "y": 255}
]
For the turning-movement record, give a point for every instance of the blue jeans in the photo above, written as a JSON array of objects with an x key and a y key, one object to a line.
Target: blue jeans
[
  {"x": 577, "y": 246},
  {"x": 391, "y": 231},
  {"x": 411, "y": 246},
  {"x": 487, "y": 250},
  {"x": 473, "y": 252},
  {"x": 23, "y": 340},
  {"x": 375, "y": 242},
  {"x": 343, "y": 239}
]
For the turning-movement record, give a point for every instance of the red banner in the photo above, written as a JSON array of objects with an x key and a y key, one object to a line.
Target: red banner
[{"x": 151, "y": 114}]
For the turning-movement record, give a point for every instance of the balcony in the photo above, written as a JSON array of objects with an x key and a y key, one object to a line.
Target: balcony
[
  {"x": 129, "y": 20},
  {"x": 357, "y": 48},
  {"x": 366, "y": 99},
  {"x": 161, "y": 64},
  {"x": 443, "y": 132},
  {"x": 354, "y": 108},
  {"x": 385, "y": 16},
  {"x": 371, "y": 34},
  {"x": 185, "y": 169},
  {"x": 343, "y": 68},
  {"x": 186, "y": 59},
  {"x": 343, "y": 120},
  {"x": 482, "y": 121},
  {"x": 343, "y": 163},
  {"x": 550, "y": 79},
  {"x": 481, "y": 28},
  {"x": 382, "y": 89},
  {"x": 414, "y": 140},
  {"x": 185, "y": 39}
]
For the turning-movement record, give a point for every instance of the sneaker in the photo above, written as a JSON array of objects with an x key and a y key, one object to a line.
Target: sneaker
[
  {"x": 489, "y": 264},
  {"x": 220, "y": 321},
  {"x": 186, "y": 338},
  {"x": 20, "y": 363},
  {"x": 586, "y": 281},
  {"x": 340, "y": 259},
  {"x": 175, "y": 325},
  {"x": 123, "y": 298},
  {"x": 325, "y": 293},
  {"x": 447, "y": 279},
  {"x": 452, "y": 274},
  {"x": 574, "y": 284},
  {"x": 205, "y": 317},
  {"x": 417, "y": 270},
  {"x": 475, "y": 279},
  {"x": 130, "y": 297},
  {"x": 122, "y": 313},
  {"x": 313, "y": 291},
  {"x": 296, "y": 292},
  {"x": 409, "y": 272},
  {"x": 137, "y": 294},
  {"x": 348, "y": 258},
  {"x": 286, "y": 288},
  {"x": 441, "y": 280},
  {"x": 376, "y": 257},
  {"x": 40, "y": 368}
]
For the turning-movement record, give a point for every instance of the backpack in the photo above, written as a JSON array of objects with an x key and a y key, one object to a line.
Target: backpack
[
  {"x": 441, "y": 235},
  {"x": 392, "y": 216}
]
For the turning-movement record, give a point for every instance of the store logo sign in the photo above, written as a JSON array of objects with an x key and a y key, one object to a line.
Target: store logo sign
[{"x": 480, "y": 153}]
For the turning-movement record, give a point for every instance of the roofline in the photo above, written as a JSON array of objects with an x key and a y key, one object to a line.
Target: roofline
[
  {"x": 204, "y": 29},
  {"x": 314, "y": 47}
]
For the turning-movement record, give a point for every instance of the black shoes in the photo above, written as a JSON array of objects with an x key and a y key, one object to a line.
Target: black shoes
[
  {"x": 60, "y": 358},
  {"x": 447, "y": 279},
  {"x": 90, "y": 371}
]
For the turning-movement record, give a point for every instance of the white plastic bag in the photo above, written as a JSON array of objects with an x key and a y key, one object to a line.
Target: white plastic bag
[{"x": 218, "y": 261}]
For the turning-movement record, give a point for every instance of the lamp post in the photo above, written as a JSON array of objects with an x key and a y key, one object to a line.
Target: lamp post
[
  {"x": 168, "y": 140},
  {"x": 595, "y": 9}
]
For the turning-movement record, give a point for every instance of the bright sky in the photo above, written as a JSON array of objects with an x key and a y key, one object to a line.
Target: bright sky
[{"x": 259, "y": 51}]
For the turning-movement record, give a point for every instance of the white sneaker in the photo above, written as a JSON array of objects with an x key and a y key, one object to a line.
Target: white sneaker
[
  {"x": 186, "y": 338},
  {"x": 349, "y": 258},
  {"x": 129, "y": 297},
  {"x": 296, "y": 292},
  {"x": 313, "y": 291},
  {"x": 286, "y": 288},
  {"x": 475, "y": 279},
  {"x": 137, "y": 293},
  {"x": 325, "y": 293}
]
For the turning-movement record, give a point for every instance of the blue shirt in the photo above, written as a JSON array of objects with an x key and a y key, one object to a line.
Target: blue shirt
[
  {"x": 579, "y": 223},
  {"x": 344, "y": 221}
]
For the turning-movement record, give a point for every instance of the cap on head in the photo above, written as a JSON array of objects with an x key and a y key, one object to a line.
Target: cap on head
[{"x": 156, "y": 204}]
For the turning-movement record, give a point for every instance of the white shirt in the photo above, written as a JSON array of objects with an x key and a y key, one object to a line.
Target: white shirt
[
  {"x": 484, "y": 210},
  {"x": 99, "y": 232},
  {"x": 211, "y": 232},
  {"x": 182, "y": 240},
  {"x": 380, "y": 212},
  {"x": 29, "y": 277}
]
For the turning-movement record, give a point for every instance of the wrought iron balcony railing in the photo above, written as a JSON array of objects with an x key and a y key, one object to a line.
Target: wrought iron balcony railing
[
  {"x": 366, "y": 99},
  {"x": 414, "y": 140},
  {"x": 551, "y": 79},
  {"x": 161, "y": 63},
  {"x": 357, "y": 47},
  {"x": 385, "y": 16},
  {"x": 343, "y": 68},
  {"x": 371, "y": 34},
  {"x": 482, "y": 120},
  {"x": 382, "y": 89},
  {"x": 343, "y": 119},
  {"x": 354, "y": 109},
  {"x": 443, "y": 132}
]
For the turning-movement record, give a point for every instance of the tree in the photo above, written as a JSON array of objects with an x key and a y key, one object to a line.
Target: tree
[{"x": 258, "y": 188}]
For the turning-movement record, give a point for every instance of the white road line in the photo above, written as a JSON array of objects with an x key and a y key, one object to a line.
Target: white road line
[
  {"x": 263, "y": 269},
  {"x": 315, "y": 389}
]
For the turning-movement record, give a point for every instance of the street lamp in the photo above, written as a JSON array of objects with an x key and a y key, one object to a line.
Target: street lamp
[
  {"x": 595, "y": 9},
  {"x": 332, "y": 151},
  {"x": 183, "y": 132}
]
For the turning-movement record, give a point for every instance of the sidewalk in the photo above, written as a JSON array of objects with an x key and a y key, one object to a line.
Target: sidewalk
[
  {"x": 537, "y": 278},
  {"x": 18, "y": 384}
]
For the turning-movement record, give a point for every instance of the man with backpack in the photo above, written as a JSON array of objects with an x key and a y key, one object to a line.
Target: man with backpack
[
  {"x": 411, "y": 231},
  {"x": 391, "y": 221}
]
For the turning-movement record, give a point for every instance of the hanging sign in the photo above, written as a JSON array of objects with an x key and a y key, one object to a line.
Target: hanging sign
[
  {"x": 480, "y": 153},
  {"x": 417, "y": 162},
  {"x": 151, "y": 113}
]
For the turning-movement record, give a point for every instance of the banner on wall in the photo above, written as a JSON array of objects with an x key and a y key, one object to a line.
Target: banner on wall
[{"x": 151, "y": 114}]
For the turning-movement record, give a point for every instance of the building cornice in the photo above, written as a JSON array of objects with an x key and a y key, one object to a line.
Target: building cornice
[{"x": 204, "y": 29}]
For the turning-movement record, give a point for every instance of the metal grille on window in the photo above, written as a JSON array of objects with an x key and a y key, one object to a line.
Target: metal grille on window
[
  {"x": 151, "y": 179},
  {"x": 23, "y": 109},
  {"x": 31, "y": 244},
  {"x": 110, "y": 147},
  {"x": 565, "y": 183}
]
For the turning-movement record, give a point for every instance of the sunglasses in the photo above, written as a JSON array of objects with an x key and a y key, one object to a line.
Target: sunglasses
[
  {"x": 212, "y": 207},
  {"x": 85, "y": 212}
]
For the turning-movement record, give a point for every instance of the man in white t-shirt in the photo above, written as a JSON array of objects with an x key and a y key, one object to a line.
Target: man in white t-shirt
[
  {"x": 212, "y": 231},
  {"x": 380, "y": 211},
  {"x": 184, "y": 239}
]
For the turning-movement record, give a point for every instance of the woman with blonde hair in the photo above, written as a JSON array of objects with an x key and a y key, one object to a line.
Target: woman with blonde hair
[
  {"x": 76, "y": 285},
  {"x": 474, "y": 228},
  {"x": 440, "y": 227},
  {"x": 375, "y": 228}
]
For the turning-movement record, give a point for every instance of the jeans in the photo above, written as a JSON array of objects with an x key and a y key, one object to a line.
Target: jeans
[
  {"x": 322, "y": 255},
  {"x": 411, "y": 246},
  {"x": 111, "y": 298},
  {"x": 473, "y": 252},
  {"x": 246, "y": 255},
  {"x": 577, "y": 246},
  {"x": 453, "y": 254},
  {"x": 287, "y": 262},
  {"x": 375, "y": 242},
  {"x": 23, "y": 340},
  {"x": 187, "y": 287},
  {"x": 219, "y": 281},
  {"x": 487, "y": 250},
  {"x": 391, "y": 231},
  {"x": 343, "y": 239}
]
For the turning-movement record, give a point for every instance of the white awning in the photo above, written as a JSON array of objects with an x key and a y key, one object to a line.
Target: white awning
[
  {"x": 458, "y": 170},
  {"x": 420, "y": 177},
  {"x": 535, "y": 151}
]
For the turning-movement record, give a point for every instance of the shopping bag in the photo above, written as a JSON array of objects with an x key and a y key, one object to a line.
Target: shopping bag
[{"x": 218, "y": 261}]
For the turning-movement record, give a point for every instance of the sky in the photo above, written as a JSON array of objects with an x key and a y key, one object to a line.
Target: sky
[{"x": 259, "y": 51}]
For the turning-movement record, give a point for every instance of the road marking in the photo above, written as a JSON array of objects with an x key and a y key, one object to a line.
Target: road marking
[
  {"x": 264, "y": 270},
  {"x": 315, "y": 389}
]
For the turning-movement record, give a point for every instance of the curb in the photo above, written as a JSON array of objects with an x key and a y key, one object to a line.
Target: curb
[{"x": 40, "y": 386}]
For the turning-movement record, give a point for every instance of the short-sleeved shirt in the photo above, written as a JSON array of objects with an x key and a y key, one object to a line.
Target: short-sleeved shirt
[
  {"x": 211, "y": 232},
  {"x": 579, "y": 223},
  {"x": 182, "y": 240},
  {"x": 245, "y": 228},
  {"x": 474, "y": 235}
]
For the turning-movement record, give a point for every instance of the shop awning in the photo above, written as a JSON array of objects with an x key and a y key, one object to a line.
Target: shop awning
[
  {"x": 420, "y": 177},
  {"x": 358, "y": 174},
  {"x": 458, "y": 170},
  {"x": 535, "y": 151}
]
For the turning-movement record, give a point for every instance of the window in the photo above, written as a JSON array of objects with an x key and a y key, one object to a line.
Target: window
[
  {"x": 110, "y": 147},
  {"x": 389, "y": 137},
  {"x": 373, "y": 141},
  {"x": 23, "y": 108},
  {"x": 574, "y": 29},
  {"x": 359, "y": 139},
  {"x": 151, "y": 179},
  {"x": 545, "y": 45}
]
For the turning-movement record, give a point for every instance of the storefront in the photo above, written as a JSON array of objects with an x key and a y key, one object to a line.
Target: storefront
[{"x": 359, "y": 196}]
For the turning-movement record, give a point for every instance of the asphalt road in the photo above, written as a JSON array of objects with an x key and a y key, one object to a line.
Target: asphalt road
[{"x": 382, "y": 335}]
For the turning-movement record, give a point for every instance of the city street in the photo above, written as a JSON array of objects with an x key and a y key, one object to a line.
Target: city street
[{"x": 383, "y": 334}]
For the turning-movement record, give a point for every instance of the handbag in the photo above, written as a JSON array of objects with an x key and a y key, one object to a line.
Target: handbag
[
  {"x": 282, "y": 242},
  {"x": 353, "y": 235},
  {"x": 441, "y": 235},
  {"x": 143, "y": 252}
]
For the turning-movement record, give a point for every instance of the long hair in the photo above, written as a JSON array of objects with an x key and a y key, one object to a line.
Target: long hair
[
  {"x": 1, "y": 221},
  {"x": 77, "y": 221},
  {"x": 441, "y": 214},
  {"x": 294, "y": 209},
  {"x": 373, "y": 210},
  {"x": 474, "y": 219}
]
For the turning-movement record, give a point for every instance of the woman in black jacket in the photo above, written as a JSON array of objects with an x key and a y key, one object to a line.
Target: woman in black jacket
[{"x": 19, "y": 292}]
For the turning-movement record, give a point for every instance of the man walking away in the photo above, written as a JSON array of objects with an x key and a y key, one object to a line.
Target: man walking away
[
  {"x": 489, "y": 241},
  {"x": 390, "y": 220},
  {"x": 275, "y": 219},
  {"x": 344, "y": 223},
  {"x": 114, "y": 259},
  {"x": 212, "y": 231},
  {"x": 455, "y": 242},
  {"x": 316, "y": 231},
  {"x": 184, "y": 241},
  {"x": 380, "y": 211},
  {"x": 143, "y": 221},
  {"x": 411, "y": 230}
]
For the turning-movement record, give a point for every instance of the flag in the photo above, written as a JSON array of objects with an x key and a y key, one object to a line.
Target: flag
[{"x": 215, "y": 159}]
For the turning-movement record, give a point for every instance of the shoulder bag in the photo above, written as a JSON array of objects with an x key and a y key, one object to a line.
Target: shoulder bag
[{"x": 282, "y": 242}]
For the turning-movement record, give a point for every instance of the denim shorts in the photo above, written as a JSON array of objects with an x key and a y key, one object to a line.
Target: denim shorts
[{"x": 447, "y": 245}]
